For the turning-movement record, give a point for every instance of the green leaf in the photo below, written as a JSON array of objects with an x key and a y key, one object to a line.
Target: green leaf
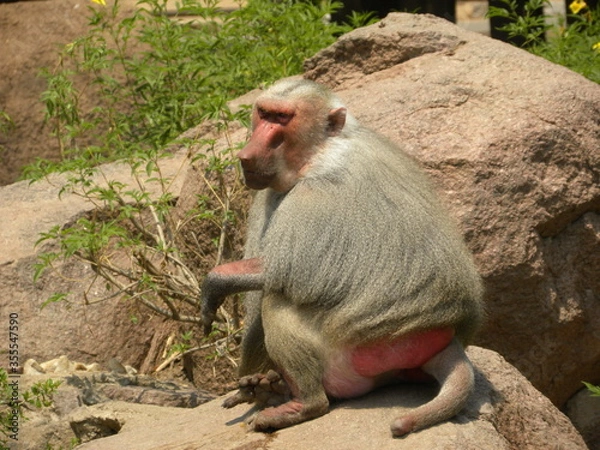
[
  {"x": 594, "y": 390},
  {"x": 54, "y": 298}
]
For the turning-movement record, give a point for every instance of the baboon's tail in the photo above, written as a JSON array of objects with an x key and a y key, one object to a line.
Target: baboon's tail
[{"x": 454, "y": 372}]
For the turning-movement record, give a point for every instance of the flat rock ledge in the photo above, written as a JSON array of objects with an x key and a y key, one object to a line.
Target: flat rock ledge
[{"x": 505, "y": 412}]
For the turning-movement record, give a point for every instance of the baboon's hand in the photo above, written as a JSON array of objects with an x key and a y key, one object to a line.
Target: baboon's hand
[{"x": 213, "y": 295}]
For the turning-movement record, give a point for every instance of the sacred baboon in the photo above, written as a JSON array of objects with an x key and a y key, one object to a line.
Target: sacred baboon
[{"x": 361, "y": 277}]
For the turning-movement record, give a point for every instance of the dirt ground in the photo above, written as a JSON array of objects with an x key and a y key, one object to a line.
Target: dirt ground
[{"x": 31, "y": 34}]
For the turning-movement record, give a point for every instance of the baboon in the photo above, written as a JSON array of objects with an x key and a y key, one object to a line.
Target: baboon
[{"x": 360, "y": 278}]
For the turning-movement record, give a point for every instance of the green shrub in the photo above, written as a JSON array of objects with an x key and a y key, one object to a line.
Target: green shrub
[
  {"x": 13, "y": 404},
  {"x": 153, "y": 75},
  {"x": 576, "y": 45}
]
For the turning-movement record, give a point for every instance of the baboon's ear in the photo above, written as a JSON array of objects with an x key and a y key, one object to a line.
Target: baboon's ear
[{"x": 336, "y": 120}]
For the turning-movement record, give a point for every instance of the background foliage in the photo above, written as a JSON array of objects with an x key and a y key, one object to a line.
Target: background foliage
[
  {"x": 154, "y": 74},
  {"x": 574, "y": 44}
]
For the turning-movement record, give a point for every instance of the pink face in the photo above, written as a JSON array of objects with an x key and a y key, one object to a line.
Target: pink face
[
  {"x": 286, "y": 134},
  {"x": 278, "y": 150}
]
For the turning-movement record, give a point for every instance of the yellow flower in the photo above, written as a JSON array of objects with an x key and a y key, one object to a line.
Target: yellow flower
[
  {"x": 596, "y": 46},
  {"x": 103, "y": 2},
  {"x": 575, "y": 6}
]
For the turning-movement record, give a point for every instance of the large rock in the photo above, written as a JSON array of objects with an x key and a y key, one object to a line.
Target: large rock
[
  {"x": 505, "y": 413},
  {"x": 513, "y": 143},
  {"x": 94, "y": 332}
]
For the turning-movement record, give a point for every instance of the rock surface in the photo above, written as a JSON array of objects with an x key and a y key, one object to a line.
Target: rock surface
[
  {"x": 513, "y": 143},
  {"x": 93, "y": 332},
  {"x": 505, "y": 412},
  {"x": 91, "y": 405}
]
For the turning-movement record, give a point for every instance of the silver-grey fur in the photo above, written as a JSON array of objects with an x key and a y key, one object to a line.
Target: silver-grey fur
[{"x": 357, "y": 251}]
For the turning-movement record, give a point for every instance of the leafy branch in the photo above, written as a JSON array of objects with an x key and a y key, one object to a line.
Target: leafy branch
[{"x": 133, "y": 238}]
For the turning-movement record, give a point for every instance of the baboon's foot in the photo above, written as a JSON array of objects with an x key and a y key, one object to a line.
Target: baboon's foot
[
  {"x": 288, "y": 414},
  {"x": 264, "y": 390}
]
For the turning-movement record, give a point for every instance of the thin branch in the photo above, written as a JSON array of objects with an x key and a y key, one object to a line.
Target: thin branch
[
  {"x": 159, "y": 227},
  {"x": 166, "y": 313},
  {"x": 212, "y": 190},
  {"x": 176, "y": 355},
  {"x": 223, "y": 235}
]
